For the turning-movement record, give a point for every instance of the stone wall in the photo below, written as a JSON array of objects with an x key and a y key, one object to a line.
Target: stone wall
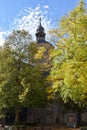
[
  {"x": 84, "y": 118},
  {"x": 52, "y": 114},
  {"x": 75, "y": 119},
  {"x": 71, "y": 119}
]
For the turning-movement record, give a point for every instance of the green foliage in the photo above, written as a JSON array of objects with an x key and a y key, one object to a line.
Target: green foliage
[
  {"x": 69, "y": 72},
  {"x": 36, "y": 95},
  {"x": 21, "y": 80},
  {"x": 12, "y": 62}
]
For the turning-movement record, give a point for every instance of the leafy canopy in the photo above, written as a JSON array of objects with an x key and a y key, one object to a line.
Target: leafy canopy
[
  {"x": 21, "y": 80},
  {"x": 69, "y": 72}
]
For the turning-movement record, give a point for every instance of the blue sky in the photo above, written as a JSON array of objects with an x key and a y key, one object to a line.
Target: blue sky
[{"x": 19, "y": 14}]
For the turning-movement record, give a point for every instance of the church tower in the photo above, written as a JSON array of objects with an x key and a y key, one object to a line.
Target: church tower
[
  {"x": 40, "y": 34},
  {"x": 43, "y": 46}
]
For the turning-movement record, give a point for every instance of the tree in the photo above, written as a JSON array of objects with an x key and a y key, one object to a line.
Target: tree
[
  {"x": 19, "y": 82},
  {"x": 12, "y": 61},
  {"x": 69, "y": 72}
]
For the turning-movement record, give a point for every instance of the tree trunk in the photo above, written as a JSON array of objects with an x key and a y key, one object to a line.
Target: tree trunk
[
  {"x": 17, "y": 115},
  {"x": 79, "y": 118}
]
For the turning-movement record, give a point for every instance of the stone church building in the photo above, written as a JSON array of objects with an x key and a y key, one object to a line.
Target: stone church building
[{"x": 53, "y": 113}]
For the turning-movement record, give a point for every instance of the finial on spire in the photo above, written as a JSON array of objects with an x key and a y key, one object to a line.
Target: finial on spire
[{"x": 40, "y": 21}]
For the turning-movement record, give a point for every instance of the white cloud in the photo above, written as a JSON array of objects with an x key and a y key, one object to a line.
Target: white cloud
[
  {"x": 46, "y": 6},
  {"x": 28, "y": 19},
  {"x": 1, "y": 38},
  {"x": 3, "y": 35}
]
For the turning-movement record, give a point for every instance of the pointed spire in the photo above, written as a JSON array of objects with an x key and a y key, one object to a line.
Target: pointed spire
[{"x": 40, "y": 34}]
